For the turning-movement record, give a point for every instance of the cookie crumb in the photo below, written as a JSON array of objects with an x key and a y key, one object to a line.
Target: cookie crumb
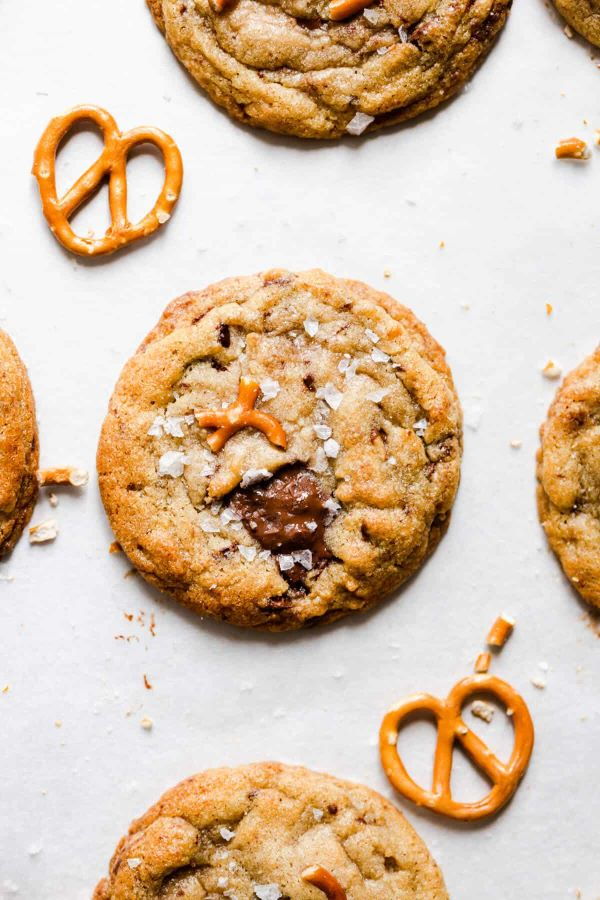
[
  {"x": 549, "y": 309},
  {"x": 52, "y": 499},
  {"x": 552, "y": 370},
  {"x": 43, "y": 532},
  {"x": 539, "y": 682},
  {"x": 572, "y": 148},
  {"x": 147, "y": 723},
  {"x": 516, "y": 444},
  {"x": 483, "y": 711},
  {"x": 387, "y": 273},
  {"x": 147, "y": 684},
  {"x": 568, "y": 31},
  {"x": 115, "y": 547}
]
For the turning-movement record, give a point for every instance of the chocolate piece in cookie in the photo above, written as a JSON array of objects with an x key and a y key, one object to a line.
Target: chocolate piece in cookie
[
  {"x": 19, "y": 457},
  {"x": 271, "y": 831},
  {"x": 583, "y": 16},
  {"x": 282, "y": 450},
  {"x": 569, "y": 478},
  {"x": 321, "y": 69}
]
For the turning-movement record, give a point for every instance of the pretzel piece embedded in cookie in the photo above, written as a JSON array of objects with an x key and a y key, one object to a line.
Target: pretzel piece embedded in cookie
[
  {"x": 111, "y": 164},
  {"x": 241, "y": 414},
  {"x": 505, "y": 777},
  {"x": 325, "y": 881}
]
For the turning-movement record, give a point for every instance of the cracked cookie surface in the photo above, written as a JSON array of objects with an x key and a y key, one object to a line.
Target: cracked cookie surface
[
  {"x": 251, "y": 831},
  {"x": 583, "y": 16},
  {"x": 569, "y": 478},
  {"x": 277, "y": 537},
  {"x": 286, "y": 66},
  {"x": 18, "y": 446}
]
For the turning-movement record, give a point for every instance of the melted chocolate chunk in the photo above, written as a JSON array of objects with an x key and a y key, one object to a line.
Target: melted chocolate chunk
[
  {"x": 278, "y": 514},
  {"x": 224, "y": 336}
]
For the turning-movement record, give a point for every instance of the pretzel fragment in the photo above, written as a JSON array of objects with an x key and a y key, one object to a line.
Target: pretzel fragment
[
  {"x": 111, "y": 164},
  {"x": 483, "y": 663},
  {"x": 572, "y": 148},
  {"x": 325, "y": 881},
  {"x": 64, "y": 475},
  {"x": 241, "y": 414},
  {"x": 500, "y": 631},
  {"x": 505, "y": 777},
  {"x": 342, "y": 9}
]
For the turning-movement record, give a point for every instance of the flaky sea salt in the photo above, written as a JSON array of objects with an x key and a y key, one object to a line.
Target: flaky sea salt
[
  {"x": 267, "y": 891},
  {"x": 285, "y": 562},
  {"x": 347, "y": 366},
  {"x": 317, "y": 813},
  {"x": 169, "y": 425},
  {"x": 269, "y": 388},
  {"x": 226, "y": 833},
  {"x": 311, "y": 326},
  {"x": 372, "y": 336},
  {"x": 371, "y": 15},
  {"x": 264, "y": 554},
  {"x": 332, "y": 505},
  {"x": 228, "y": 515},
  {"x": 322, "y": 431},
  {"x": 420, "y": 427},
  {"x": 403, "y": 34},
  {"x": 248, "y": 553},
  {"x": 172, "y": 463},
  {"x": 377, "y": 396},
  {"x": 379, "y": 356},
  {"x": 331, "y": 448},
  {"x": 320, "y": 464},
  {"x": 133, "y": 862},
  {"x": 304, "y": 557},
  {"x": 330, "y": 395},
  {"x": 252, "y": 476},
  {"x": 209, "y": 526},
  {"x": 358, "y": 123},
  {"x": 312, "y": 526}
]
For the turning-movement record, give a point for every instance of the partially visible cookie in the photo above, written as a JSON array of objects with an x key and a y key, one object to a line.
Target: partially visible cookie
[
  {"x": 569, "y": 478},
  {"x": 583, "y": 16},
  {"x": 18, "y": 446},
  {"x": 334, "y": 490},
  {"x": 290, "y": 67},
  {"x": 250, "y": 832}
]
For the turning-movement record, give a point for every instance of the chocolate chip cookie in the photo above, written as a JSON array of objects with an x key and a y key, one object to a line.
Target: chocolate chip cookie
[
  {"x": 583, "y": 16},
  {"x": 321, "y": 69},
  {"x": 257, "y": 832},
  {"x": 283, "y": 449},
  {"x": 569, "y": 478},
  {"x": 18, "y": 446}
]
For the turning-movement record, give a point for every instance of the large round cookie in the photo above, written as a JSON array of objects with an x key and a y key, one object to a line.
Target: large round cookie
[
  {"x": 569, "y": 478},
  {"x": 18, "y": 446},
  {"x": 263, "y": 536},
  {"x": 583, "y": 16},
  {"x": 286, "y": 66},
  {"x": 250, "y": 832}
]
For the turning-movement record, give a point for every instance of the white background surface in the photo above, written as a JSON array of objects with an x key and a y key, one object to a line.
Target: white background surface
[{"x": 520, "y": 230}]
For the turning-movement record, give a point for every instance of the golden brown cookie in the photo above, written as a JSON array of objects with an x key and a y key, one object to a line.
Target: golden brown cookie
[
  {"x": 250, "y": 832},
  {"x": 289, "y": 67},
  {"x": 583, "y": 16},
  {"x": 569, "y": 478},
  {"x": 18, "y": 446},
  {"x": 329, "y": 499}
]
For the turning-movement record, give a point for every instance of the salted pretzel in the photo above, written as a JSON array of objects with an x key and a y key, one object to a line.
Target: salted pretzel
[
  {"x": 241, "y": 414},
  {"x": 338, "y": 9},
  {"x": 325, "y": 881},
  {"x": 504, "y": 777},
  {"x": 111, "y": 164}
]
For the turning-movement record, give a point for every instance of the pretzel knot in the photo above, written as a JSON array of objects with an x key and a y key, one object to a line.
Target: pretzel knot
[
  {"x": 112, "y": 163},
  {"x": 241, "y": 414},
  {"x": 504, "y": 777},
  {"x": 325, "y": 881}
]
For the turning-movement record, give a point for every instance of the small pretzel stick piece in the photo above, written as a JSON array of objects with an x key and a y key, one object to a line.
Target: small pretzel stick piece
[
  {"x": 572, "y": 148},
  {"x": 500, "y": 631},
  {"x": 325, "y": 881},
  {"x": 483, "y": 662},
  {"x": 66, "y": 475},
  {"x": 342, "y": 9}
]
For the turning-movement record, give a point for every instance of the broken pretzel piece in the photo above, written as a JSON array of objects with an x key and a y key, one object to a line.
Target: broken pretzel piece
[
  {"x": 64, "y": 475},
  {"x": 325, "y": 881},
  {"x": 500, "y": 631},
  {"x": 572, "y": 148}
]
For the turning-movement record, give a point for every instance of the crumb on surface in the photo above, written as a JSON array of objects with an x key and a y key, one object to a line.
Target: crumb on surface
[
  {"x": 43, "y": 532},
  {"x": 572, "y": 148},
  {"x": 552, "y": 370}
]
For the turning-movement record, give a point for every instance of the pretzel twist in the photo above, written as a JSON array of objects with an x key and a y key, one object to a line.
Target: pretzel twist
[
  {"x": 504, "y": 777},
  {"x": 325, "y": 881},
  {"x": 111, "y": 163},
  {"x": 241, "y": 414}
]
